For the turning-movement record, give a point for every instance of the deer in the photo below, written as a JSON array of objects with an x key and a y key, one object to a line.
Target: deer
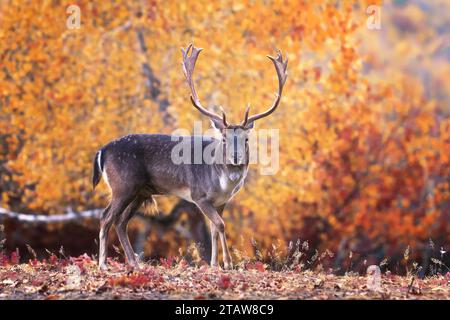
[{"x": 138, "y": 167}]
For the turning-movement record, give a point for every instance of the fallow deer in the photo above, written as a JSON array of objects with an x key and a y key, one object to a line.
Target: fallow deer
[{"x": 139, "y": 166}]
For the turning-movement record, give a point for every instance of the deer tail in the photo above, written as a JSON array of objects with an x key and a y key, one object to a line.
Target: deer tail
[{"x": 98, "y": 169}]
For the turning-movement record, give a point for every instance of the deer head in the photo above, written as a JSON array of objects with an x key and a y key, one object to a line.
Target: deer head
[{"x": 234, "y": 136}]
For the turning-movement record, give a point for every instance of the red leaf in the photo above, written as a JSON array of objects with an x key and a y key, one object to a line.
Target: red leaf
[
  {"x": 167, "y": 263},
  {"x": 258, "y": 265},
  {"x": 224, "y": 282}
]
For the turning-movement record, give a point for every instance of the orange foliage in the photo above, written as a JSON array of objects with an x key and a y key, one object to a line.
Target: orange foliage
[{"x": 364, "y": 150}]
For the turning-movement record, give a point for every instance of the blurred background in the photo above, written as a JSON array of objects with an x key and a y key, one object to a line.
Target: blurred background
[{"x": 364, "y": 123}]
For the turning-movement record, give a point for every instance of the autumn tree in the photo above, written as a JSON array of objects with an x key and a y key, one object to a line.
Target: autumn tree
[{"x": 364, "y": 162}]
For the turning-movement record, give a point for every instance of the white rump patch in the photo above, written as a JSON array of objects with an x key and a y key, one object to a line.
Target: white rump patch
[
  {"x": 99, "y": 160},
  {"x": 105, "y": 177},
  {"x": 103, "y": 170}
]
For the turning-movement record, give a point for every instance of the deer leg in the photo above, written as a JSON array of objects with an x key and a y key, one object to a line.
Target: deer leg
[
  {"x": 114, "y": 209},
  {"x": 121, "y": 229},
  {"x": 105, "y": 225},
  {"x": 214, "y": 238},
  {"x": 212, "y": 213},
  {"x": 227, "y": 261}
]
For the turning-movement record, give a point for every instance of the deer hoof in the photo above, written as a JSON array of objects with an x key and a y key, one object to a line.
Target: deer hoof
[
  {"x": 103, "y": 266},
  {"x": 228, "y": 265}
]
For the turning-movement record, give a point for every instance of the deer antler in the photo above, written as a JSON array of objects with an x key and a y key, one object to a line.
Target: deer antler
[
  {"x": 280, "y": 67},
  {"x": 188, "y": 69}
]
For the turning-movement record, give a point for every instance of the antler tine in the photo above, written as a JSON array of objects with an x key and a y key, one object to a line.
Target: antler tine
[
  {"x": 188, "y": 70},
  {"x": 280, "y": 67},
  {"x": 246, "y": 115},
  {"x": 224, "y": 117}
]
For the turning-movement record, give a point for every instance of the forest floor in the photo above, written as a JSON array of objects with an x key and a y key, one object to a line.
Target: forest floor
[{"x": 79, "y": 278}]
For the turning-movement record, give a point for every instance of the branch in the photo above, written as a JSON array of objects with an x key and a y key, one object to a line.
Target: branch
[
  {"x": 164, "y": 220},
  {"x": 42, "y": 218}
]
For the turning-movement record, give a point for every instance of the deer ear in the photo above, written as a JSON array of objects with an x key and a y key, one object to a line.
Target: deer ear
[{"x": 217, "y": 124}]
